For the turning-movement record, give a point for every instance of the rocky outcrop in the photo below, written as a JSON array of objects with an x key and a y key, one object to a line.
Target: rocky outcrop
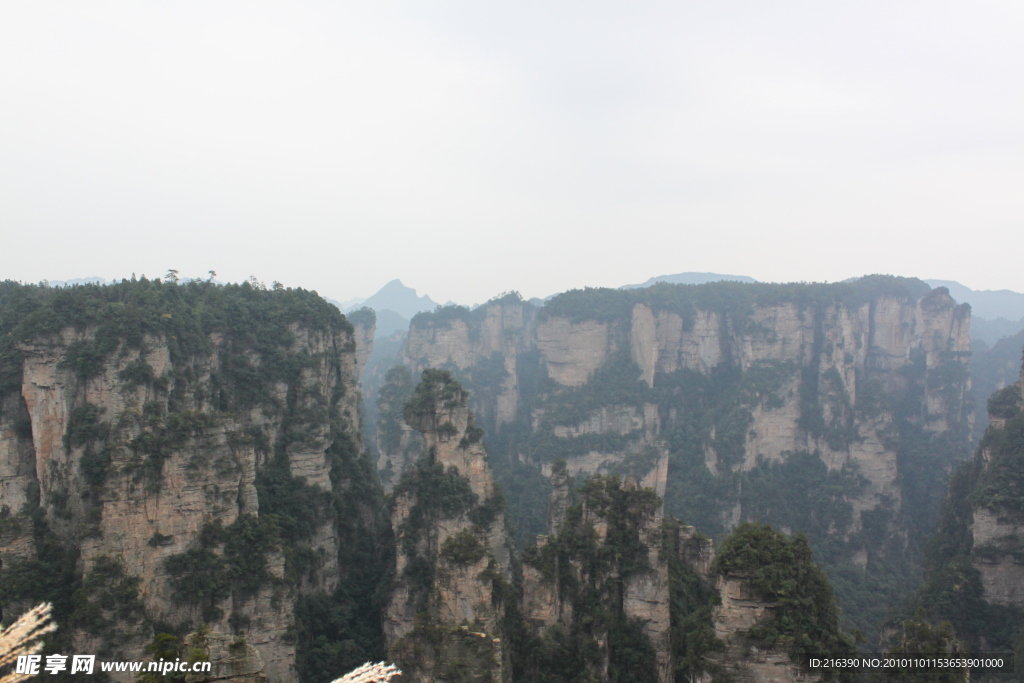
[
  {"x": 232, "y": 659},
  {"x": 398, "y": 444},
  {"x": 482, "y": 348},
  {"x": 572, "y": 351},
  {"x": 364, "y": 325},
  {"x": 137, "y": 452},
  {"x": 846, "y": 349},
  {"x": 742, "y": 660},
  {"x": 645, "y": 598},
  {"x": 17, "y": 474},
  {"x": 999, "y": 556},
  {"x": 632, "y": 588},
  {"x": 696, "y": 551},
  {"x": 443, "y": 621},
  {"x": 392, "y": 463},
  {"x": 997, "y": 523},
  {"x": 208, "y": 479},
  {"x": 774, "y": 605}
]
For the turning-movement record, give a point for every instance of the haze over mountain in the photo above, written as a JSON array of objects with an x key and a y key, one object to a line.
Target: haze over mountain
[
  {"x": 394, "y": 296},
  {"x": 690, "y": 278},
  {"x": 717, "y": 404},
  {"x": 395, "y": 305},
  {"x": 986, "y": 303},
  {"x": 996, "y": 314},
  {"x": 94, "y": 280}
]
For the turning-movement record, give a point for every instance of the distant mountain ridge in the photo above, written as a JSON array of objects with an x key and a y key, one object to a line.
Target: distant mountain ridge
[
  {"x": 691, "y": 278},
  {"x": 996, "y": 314},
  {"x": 94, "y": 280},
  {"x": 990, "y": 304}
]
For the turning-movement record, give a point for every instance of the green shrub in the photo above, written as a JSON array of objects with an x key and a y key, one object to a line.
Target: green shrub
[
  {"x": 107, "y": 604},
  {"x": 364, "y": 317},
  {"x": 203, "y": 577},
  {"x": 84, "y": 426},
  {"x": 463, "y": 548},
  {"x": 1005, "y": 403},
  {"x": 1001, "y": 485},
  {"x": 436, "y": 392},
  {"x": 137, "y": 373},
  {"x": 588, "y": 573}
]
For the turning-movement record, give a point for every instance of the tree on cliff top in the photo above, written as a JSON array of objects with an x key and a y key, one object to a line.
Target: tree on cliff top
[
  {"x": 804, "y": 618},
  {"x": 437, "y": 391}
]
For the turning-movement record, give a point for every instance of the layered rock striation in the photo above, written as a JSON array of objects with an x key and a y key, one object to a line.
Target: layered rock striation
[
  {"x": 823, "y": 367},
  {"x": 732, "y": 401},
  {"x": 184, "y": 444},
  {"x": 444, "y": 620},
  {"x": 601, "y": 580}
]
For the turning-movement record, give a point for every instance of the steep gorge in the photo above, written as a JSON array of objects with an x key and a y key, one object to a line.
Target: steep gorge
[
  {"x": 833, "y": 409},
  {"x": 615, "y": 592}
]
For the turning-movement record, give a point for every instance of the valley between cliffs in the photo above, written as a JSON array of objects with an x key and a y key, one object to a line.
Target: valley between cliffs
[
  {"x": 837, "y": 410},
  {"x": 183, "y": 474}
]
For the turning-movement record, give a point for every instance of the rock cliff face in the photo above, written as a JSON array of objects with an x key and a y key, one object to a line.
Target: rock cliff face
[
  {"x": 170, "y": 455},
  {"x": 604, "y": 548},
  {"x": 443, "y": 621},
  {"x": 484, "y": 345},
  {"x": 773, "y": 602},
  {"x": 826, "y": 371},
  {"x": 975, "y": 570},
  {"x": 364, "y": 326},
  {"x": 733, "y": 401},
  {"x": 232, "y": 659},
  {"x": 997, "y": 557},
  {"x": 740, "y": 610},
  {"x": 398, "y": 444},
  {"x": 997, "y": 518}
]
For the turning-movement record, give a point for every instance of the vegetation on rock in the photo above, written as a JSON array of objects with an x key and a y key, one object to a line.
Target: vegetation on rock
[
  {"x": 233, "y": 349},
  {"x": 804, "y": 616},
  {"x": 587, "y": 570},
  {"x": 951, "y": 602}
]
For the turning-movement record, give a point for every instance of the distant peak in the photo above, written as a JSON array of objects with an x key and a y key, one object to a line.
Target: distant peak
[{"x": 401, "y": 299}]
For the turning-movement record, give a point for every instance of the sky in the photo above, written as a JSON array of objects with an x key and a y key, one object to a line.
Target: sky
[{"x": 474, "y": 148}]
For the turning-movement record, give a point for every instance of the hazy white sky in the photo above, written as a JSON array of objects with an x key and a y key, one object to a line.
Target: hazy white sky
[{"x": 474, "y": 147}]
